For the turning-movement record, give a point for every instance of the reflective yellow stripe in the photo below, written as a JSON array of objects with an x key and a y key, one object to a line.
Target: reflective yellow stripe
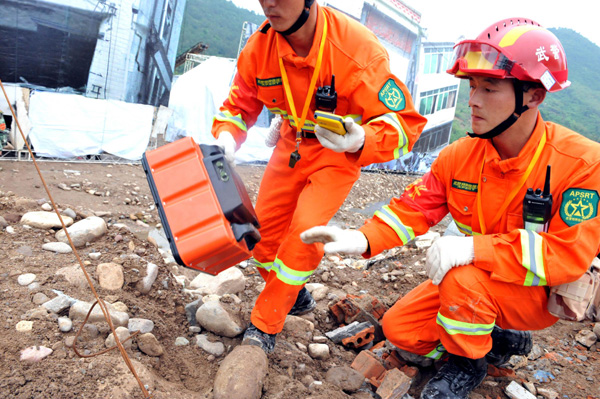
[
  {"x": 454, "y": 327},
  {"x": 515, "y": 33},
  {"x": 227, "y": 116},
  {"x": 267, "y": 265},
  {"x": 533, "y": 258},
  {"x": 289, "y": 275},
  {"x": 392, "y": 120},
  {"x": 463, "y": 228},
  {"x": 405, "y": 233},
  {"x": 437, "y": 352}
]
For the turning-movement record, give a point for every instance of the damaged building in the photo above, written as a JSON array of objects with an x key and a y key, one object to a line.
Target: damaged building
[{"x": 120, "y": 49}]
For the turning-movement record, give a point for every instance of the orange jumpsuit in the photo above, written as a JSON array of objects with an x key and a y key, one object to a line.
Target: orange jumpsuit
[
  {"x": 507, "y": 281},
  {"x": 291, "y": 200}
]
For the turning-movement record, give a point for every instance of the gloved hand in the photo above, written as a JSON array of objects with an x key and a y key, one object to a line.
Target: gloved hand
[
  {"x": 337, "y": 240},
  {"x": 227, "y": 144},
  {"x": 273, "y": 134},
  {"x": 352, "y": 141},
  {"x": 448, "y": 252}
]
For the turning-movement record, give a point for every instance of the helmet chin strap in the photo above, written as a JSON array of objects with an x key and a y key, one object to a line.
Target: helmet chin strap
[
  {"x": 301, "y": 19},
  {"x": 508, "y": 122}
]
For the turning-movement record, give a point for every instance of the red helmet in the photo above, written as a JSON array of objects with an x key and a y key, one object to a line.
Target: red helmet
[{"x": 514, "y": 47}]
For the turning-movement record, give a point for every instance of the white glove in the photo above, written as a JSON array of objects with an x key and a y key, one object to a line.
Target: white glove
[
  {"x": 273, "y": 134},
  {"x": 352, "y": 141},
  {"x": 227, "y": 144},
  {"x": 448, "y": 252},
  {"x": 337, "y": 240}
]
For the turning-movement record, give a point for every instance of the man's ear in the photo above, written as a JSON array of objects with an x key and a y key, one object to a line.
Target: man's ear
[{"x": 535, "y": 96}]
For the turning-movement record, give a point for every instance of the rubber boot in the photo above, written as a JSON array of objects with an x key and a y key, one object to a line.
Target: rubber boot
[
  {"x": 506, "y": 343},
  {"x": 456, "y": 379},
  {"x": 304, "y": 303}
]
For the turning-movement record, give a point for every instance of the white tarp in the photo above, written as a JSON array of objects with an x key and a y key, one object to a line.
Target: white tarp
[
  {"x": 195, "y": 99},
  {"x": 70, "y": 125}
]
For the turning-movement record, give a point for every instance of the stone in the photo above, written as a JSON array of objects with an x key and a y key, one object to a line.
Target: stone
[
  {"x": 148, "y": 344},
  {"x": 318, "y": 351},
  {"x": 348, "y": 379},
  {"x": 214, "y": 317},
  {"x": 45, "y": 220},
  {"x": 142, "y": 325},
  {"x": 214, "y": 348},
  {"x": 57, "y": 247},
  {"x": 241, "y": 374},
  {"x": 515, "y": 391},
  {"x": 84, "y": 231},
  {"x": 110, "y": 276}
]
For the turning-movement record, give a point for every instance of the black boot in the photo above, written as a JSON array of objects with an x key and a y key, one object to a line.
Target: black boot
[
  {"x": 304, "y": 303},
  {"x": 507, "y": 343},
  {"x": 254, "y": 336},
  {"x": 456, "y": 379}
]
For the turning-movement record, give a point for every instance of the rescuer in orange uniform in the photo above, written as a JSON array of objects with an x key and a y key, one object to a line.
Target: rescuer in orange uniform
[
  {"x": 488, "y": 288},
  {"x": 299, "y": 49}
]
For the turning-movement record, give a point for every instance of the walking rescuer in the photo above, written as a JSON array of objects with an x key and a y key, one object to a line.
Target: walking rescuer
[
  {"x": 289, "y": 65},
  {"x": 490, "y": 287}
]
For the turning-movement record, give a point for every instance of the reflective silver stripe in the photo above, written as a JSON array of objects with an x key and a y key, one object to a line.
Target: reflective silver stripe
[{"x": 533, "y": 258}]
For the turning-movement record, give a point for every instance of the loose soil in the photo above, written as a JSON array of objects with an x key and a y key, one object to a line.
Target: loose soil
[{"x": 120, "y": 192}]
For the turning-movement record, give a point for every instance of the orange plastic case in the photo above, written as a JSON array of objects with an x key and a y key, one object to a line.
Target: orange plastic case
[{"x": 203, "y": 205}]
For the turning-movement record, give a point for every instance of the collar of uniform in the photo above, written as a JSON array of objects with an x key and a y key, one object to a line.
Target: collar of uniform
[
  {"x": 520, "y": 163},
  {"x": 286, "y": 51}
]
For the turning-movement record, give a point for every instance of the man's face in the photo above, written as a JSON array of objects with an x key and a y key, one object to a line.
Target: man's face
[
  {"x": 491, "y": 102},
  {"x": 282, "y": 13}
]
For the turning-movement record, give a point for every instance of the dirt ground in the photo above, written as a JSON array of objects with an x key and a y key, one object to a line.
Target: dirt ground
[{"x": 120, "y": 192}]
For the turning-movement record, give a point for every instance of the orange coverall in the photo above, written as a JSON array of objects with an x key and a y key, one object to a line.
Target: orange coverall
[
  {"x": 506, "y": 283},
  {"x": 291, "y": 200}
]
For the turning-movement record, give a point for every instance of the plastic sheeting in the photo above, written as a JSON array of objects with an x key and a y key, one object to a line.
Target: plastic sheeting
[
  {"x": 195, "y": 99},
  {"x": 69, "y": 125}
]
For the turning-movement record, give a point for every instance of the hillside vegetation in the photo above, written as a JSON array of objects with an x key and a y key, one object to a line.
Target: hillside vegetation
[
  {"x": 577, "y": 107},
  {"x": 217, "y": 23}
]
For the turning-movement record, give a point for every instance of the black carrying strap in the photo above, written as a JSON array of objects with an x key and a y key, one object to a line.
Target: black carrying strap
[{"x": 508, "y": 122}]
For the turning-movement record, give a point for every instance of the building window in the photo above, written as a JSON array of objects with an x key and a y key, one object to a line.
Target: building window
[
  {"x": 433, "y": 139},
  {"x": 437, "y": 59},
  {"x": 437, "y": 100}
]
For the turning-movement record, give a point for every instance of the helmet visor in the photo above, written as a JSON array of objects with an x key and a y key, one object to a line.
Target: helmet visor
[{"x": 476, "y": 58}]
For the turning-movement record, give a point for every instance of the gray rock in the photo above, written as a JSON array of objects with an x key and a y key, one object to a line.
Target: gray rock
[
  {"x": 212, "y": 316},
  {"x": 57, "y": 247},
  {"x": 84, "y": 231},
  {"x": 80, "y": 309},
  {"x": 348, "y": 379},
  {"x": 229, "y": 281},
  {"x": 214, "y": 348},
  {"x": 142, "y": 325},
  {"x": 45, "y": 220}
]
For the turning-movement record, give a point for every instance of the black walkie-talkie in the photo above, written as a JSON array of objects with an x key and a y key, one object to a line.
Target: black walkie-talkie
[
  {"x": 326, "y": 97},
  {"x": 537, "y": 207}
]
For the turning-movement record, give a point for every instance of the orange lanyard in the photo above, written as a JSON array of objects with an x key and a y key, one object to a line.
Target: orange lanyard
[
  {"x": 311, "y": 88},
  {"x": 514, "y": 191}
]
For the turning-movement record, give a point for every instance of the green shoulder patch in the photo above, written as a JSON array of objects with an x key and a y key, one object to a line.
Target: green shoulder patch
[
  {"x": 578, "y": 205},
  {"x": 391, "y": 96},
  {"x": 464, "y": 185},
  {"x": 268, "y": 82}
]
